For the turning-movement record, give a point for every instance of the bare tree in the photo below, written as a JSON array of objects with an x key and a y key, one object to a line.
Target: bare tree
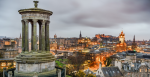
[{"x": 77, "y": 61}]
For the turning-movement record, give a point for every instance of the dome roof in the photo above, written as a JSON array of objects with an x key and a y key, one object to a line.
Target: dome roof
[{"x": 35, "y": 10}]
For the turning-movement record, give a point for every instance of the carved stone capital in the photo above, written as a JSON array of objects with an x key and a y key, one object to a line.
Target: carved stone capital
[
  {"x": 22, "y": 21},
  {"x": 48, "y": 22},
  {"x": 34, "y": 20},
  {"x": 43, "y": 22},
  {"x": 26, "y": 21}
]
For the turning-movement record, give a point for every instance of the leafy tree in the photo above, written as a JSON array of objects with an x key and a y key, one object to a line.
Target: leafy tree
[
  {"x": 58, "y": 63},
  {"x": 80, "y": 74},
  {"x": 68, "y": 76},
  {"x": 91, "y": 75},
  {"x": 108, "y": 61}
]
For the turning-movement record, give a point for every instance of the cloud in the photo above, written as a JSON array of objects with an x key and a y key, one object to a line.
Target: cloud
[
  {"x": 76, "y": 15},
  {"x": 111, "y": 13}
]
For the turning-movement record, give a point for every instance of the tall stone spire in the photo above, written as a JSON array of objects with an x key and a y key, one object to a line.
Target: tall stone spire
[
  {"x": 134, "y": 39},
  {"x": 20, "y": 35},
  {"x": 80, "y": 36},
  {"x": 133, "y": 43}
]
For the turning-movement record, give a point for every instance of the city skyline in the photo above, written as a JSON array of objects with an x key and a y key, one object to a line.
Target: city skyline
[{"x": 90, "y": 17}]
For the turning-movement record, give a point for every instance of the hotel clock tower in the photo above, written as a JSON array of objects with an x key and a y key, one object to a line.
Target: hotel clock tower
[{"x": 121, "y": 37}]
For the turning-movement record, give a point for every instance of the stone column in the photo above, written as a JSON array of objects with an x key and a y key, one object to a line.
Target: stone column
[
  {"x": 23, "y": 35},
  {"x": 40, "y": 36},
  {"x": 34, "y": 45},
  {"x": 65, "y": 70},
  {"x": 47, "y": 46},
  {"x": 32, "y": 36},
  {"x": 59, "y": 72},
  {"x": 35, "y": 74},
  {"x": 43, "y": 36},
  {"x": 26, "y": 36},
  {"x": 4, "y": 69},
  {"x": 10, "y": 74}
]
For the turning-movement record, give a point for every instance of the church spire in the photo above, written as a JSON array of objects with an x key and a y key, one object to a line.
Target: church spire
[
  {"x": 134, "y": 39},
  {"x": 133, "y": 43},
  {"x": 20, "y": 35},
  {"x": 80, "y": 36}
]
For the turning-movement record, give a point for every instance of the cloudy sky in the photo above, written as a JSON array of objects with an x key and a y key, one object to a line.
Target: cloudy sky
[{"x": 90, "y": 16}]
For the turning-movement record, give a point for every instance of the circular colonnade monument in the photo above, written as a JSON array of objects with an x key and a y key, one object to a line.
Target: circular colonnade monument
[{"x": 41, "y": 61}]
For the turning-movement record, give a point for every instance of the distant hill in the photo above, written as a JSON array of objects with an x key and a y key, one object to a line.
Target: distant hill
[{"x": 2, "y": 37}]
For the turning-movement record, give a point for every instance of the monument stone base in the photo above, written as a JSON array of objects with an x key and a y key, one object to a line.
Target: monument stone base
[{"x": 30, "y": 64}]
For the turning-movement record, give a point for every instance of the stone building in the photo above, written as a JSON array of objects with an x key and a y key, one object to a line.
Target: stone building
[
  {"x": 7, "y": 62},
  {"x": 1, "y": 43},
  {"x": 9, "y": 53},
  {"x": 108, "y": 71},
  {"x": 9, "y": 49}
]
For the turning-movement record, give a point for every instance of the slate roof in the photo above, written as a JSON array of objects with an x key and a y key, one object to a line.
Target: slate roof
[
  {"x": 88, "y": 71},
  {"x": 111, "y": 72},
  {"x": 98, "y": 76}
]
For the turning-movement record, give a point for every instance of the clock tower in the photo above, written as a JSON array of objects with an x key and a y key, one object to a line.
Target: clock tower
[
  {"x": 121, "y": 46},
  {"x": 121, "y": 37}
]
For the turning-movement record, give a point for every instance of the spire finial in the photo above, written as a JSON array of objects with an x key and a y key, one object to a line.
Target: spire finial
[{"x": 35, "y": 3}]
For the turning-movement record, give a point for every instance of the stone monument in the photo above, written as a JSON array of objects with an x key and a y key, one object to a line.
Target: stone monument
[{"x": 41, "y": 61}]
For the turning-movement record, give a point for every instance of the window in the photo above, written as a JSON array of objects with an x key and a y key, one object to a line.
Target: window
[
  {"x": 3, "y": 64},
  {"x": 140, "y": 70},
  {"x": 14, "y": 64},
  {"x": 8, "y": 64},
  {"x": 145, "y": 70}
]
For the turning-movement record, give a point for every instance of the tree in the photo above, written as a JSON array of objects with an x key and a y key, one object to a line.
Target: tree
[
  {"x": 108, "y": 61},
  {"x": 91, "y": 75},
  {"x": 77, "y": 61},
  {"x": 80, "y": 74},
  {"x": 1, "y": 55},
  {"x": 58, "y": 63},
  {"x": 69, "y": 71}
]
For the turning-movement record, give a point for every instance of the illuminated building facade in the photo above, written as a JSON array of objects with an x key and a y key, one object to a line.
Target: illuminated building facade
[
  {"x": 6, "y": 63},
  {"x": 121, "y": 46},
  {"x": 84, "y": 41},
  {"x": 53, "y": 44}
]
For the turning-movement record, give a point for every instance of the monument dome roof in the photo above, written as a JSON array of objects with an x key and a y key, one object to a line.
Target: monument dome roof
[{"x": 35, "y": 10}]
